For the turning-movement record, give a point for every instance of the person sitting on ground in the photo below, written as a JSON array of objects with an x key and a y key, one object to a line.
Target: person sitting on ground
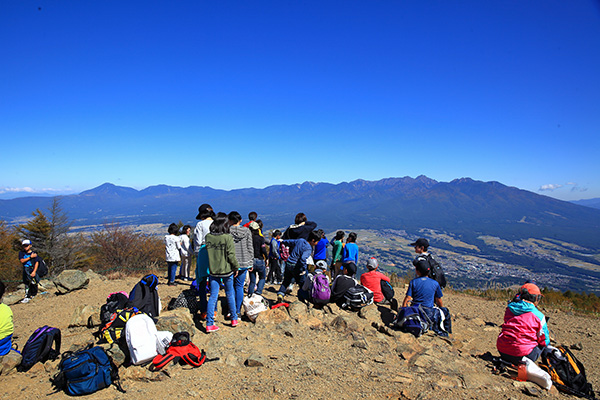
[
  {"x": 372, "y": 281},
  {"x": 337, "y": 253},
  {"x": 436, "y": 272},
  {"x": 524, "y": 331},
  {"x": 30, "y": 266},
  {"x": 300, "y": 229},
  {"x": 295, "y": 266},
  {"x": 325, "y": 296},
  {"x": 342, "y": 283},
  {"x": 6, "y": 325},
  {"x": 423, "y": 290}
]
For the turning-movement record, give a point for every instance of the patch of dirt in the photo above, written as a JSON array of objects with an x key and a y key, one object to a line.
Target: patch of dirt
[{"x": 310, "y": 354}]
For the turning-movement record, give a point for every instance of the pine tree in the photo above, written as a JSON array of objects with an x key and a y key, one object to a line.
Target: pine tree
[{"x": 38, "y": 231}]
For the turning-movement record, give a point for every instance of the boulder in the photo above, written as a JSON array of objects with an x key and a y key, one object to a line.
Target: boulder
[
  {"x": 70, "y": 280},
  {"x": 12, "y": 298},
  {"x": 83, "y": 313},
  {"x": 94, "y": 276},
  {"x": 343, "y": 324},
  {"x": 178, "y": 320},
  {"x": 297, "y": 309},
  {"x": 9, "y": 362},
  {"x": 370, "y": 313},
  {"x": 275, "y": 316}
]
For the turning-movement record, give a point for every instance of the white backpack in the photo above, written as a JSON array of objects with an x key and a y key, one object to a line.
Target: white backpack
[
  {"x": 143, "y": 340},
  {"x": 254, "y": 305}
]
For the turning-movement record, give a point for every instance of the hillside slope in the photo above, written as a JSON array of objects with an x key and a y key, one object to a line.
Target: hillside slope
[{"x": 308, "y": 354}]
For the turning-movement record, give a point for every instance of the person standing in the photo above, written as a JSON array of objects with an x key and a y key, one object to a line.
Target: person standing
[
  {"x": 205, "y": 217},
  {"x": 321, "y": 248},
  {"x": 172, "y": 248},
  {"x": 258, "y": 267},
  {"x": 30, "y": 266},
  {"x": 300, "y": 229},
  {"x": 295, "y": 266},
  {"x": 275, "y": 272},
  {"x": 337, "y": 253},
  {"x": 186, "y": 253},
  {"x": 244, "y": 253}
]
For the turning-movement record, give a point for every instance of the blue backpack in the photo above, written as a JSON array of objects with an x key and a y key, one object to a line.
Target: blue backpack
[
  {"x": 412, "y": 320},
  {"x": 42, "y": 345},
  {"x": 86, "y": 371}
]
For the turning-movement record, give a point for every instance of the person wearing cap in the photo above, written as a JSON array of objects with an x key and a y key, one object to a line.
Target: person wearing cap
[
  {"x": 423, "y": 290},
  {"x": 372, "y": 280},
  {"x": 205, "y": 217},
  {"x": 30, "y": 265},
  {"x": 524, "y": 331},
  {"x": 426, "y": 261}
]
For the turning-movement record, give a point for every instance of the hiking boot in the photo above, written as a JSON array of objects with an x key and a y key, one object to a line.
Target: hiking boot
[
  {"x": 279, "y": 298},
  {"x": 234, "y": 323},
  {"x": 25, "y": 300},
  {"x": 203, "y": 316},
  {"x": 211, "y": 328}
]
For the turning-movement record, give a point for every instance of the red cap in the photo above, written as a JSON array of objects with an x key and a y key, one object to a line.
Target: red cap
[{"x": 531, "y": 288}]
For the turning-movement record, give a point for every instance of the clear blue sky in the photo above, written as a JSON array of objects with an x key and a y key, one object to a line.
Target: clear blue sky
[{"x": 234, "y": 94}]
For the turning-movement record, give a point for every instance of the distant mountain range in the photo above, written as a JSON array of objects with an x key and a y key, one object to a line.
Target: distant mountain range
[
  {"x": 594, "y": 203},
  {"x": 463, "y": 206}
]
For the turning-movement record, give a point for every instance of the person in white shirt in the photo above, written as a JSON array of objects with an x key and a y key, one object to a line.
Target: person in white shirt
[
  {"x": 186, "y": 253},
  {"x": 172, "y": 247}
]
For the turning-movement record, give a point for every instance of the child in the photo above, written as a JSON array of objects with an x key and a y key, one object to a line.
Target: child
[
  {"x": 244, "y": 254},
  {"x": 172, "y": 247},
  {"x": 350, "y": 250},
  {"x": 223, "y": 267},
  {"x": 423, "y": 290},
  {"x": 524, "y": 331},
  {"x": 30, "y": 266},
  {"x": 295, "y": 266},
  {"x": 321, "y": 247},
  {"x": 324, "y": 296},
  {"x": 342, "y": 283},
  {"x": 186, "y": 253},
  {"x": 6, "y": 325},
  {"x": 275, "y": 273},
  {"x": 205, "y": 217},
  {"x": 258, "y": 267},
  {"x": 372, "y": 281},
  {"x": 337, "y": 253}
]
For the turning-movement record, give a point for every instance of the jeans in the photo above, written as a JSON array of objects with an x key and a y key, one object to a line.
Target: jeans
[
  {"x": 215, "y": 285},
  {"x": 172, "y": 270},
  {"x": 297, "y": 272},
  {"x": 238, "y": 285},
  {"x": 259, "y": 270}
]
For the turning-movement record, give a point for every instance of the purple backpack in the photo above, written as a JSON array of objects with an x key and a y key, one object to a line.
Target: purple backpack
[{"x": 320, "y": 292}]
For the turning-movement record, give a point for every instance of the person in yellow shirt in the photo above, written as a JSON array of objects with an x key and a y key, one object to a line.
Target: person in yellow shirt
[{"x": 6, "y": 325}]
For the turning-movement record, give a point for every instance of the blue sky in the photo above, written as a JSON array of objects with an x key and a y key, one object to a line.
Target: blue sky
[{"x": 250, "y": 94}]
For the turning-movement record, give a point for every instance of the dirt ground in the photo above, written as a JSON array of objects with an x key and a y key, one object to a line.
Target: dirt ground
[{"x": 311, "y": 354}]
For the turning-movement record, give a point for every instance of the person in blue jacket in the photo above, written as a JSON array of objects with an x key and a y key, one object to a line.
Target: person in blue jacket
[{"x": 295, "y": 266}]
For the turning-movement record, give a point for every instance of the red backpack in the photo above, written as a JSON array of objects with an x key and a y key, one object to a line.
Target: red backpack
[{"x": 180, "y": 350}]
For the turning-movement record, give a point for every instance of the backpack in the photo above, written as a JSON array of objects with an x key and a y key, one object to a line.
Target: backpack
[
  {"x": 42, "y": 270},
  {"x": 320, "y": 291},
  {"x": 357, "y": 297},
  {"x": 284, "y": 252},
  {"x": 187, "y": 299},
  {"x": 436, "y": 272},
  {"x": 567, "y": 373},
  {"x": 181, "y": 350},
  {"x": 115, "y": 301},
  {"x": 39, "y": 347},
  {"x": 387, "y": 290},
  {"x": 253, "y": 305},
  {"x": 144, "y": 296},
  {"x": 143, "y": 340},
  {"x": 86, "y": 371},
  {"x": 112, "y": 331},
  {"x": 412, "y": 320}
]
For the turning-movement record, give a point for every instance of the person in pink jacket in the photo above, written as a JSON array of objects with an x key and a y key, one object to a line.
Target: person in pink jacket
[{"x": 524, "y": 332}]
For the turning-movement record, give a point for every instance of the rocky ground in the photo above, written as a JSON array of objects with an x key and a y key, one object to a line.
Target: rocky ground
[{"x": 302, "y": 353}]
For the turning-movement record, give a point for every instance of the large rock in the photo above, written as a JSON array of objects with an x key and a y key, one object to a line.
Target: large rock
[
  {"x": 370, "y": 313},
  {"x": 9, "y": 362},
  {"x": 178, "y": 320},
  {"x": 94, "y": 276},
  {"x": 297, "y": 310},
  {"x": 343, "y": 324},
  {"x": 70, "y": 280},
  {"x": 84, "y": 313},
  {"x": 275, "y": 316},
  {"x": 12, "y": 298}
]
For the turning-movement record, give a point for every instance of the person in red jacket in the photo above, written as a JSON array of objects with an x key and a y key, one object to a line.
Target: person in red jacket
[{"x": 372, "y": 280}]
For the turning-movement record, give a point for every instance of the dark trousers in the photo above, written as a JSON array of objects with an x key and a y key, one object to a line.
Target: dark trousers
[
  {"x": 274, "y": 271},
  {"x": 295, "y": 272}
]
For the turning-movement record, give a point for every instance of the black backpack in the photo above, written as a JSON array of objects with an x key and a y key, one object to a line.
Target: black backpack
[
  {"x": 39, "y": 347},
  {"x": 144, "y": 296},
  {"x": 357, "y": 297},
  {"x": 42, "y": 270},
  {"x": 436, "y": 272},
  {"x": 567, "y": 372},
  {"x": 116, "y": 301}
]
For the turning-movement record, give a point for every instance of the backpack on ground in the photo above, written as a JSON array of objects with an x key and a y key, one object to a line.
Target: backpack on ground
[
  {"x": 436, "y": 271},
  {"x": 115, "y": 301},
  {"x": 112, "y": 331},
  {"x": 42, "y": 345},
  {"x": 253, "y": 305},
  {"x": 86, "y": 371},
  {"x": 357, "y": 297},
  {"x": 320, "y": 292},
  {"x": 144, "y": 296},
  {"x": 567, "y": 372},
  {"x": 412, "y": 320},
  {"x": 181, "y": 350},
  {"x": 42, "y": 270},
  {"x": 186, "y": 299},
  {"x": 143, "y": 340}
]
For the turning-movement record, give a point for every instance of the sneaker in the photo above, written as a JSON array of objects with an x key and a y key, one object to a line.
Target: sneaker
[
  {"x": 25, "y": 300},
  {"x": 234, "y": 323},
  {"x": 172, "y": 284},
  {"x": 203, "y": 316},
  {"x": 279, "y": 299},
  {"x": 211, "y": 328}
]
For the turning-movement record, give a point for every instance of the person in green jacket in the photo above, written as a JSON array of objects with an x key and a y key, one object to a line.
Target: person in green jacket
[
  {"x": 337, "y": 253},
  {"x": 223, "y": 268}
]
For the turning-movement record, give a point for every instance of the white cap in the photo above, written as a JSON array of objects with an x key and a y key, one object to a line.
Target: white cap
[{"x": 26, "y": 242}]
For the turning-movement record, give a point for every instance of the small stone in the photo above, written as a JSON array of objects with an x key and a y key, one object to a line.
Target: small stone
[
  {"x": 576, "y": 346},
  {"x": 255, "y": 360}
]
